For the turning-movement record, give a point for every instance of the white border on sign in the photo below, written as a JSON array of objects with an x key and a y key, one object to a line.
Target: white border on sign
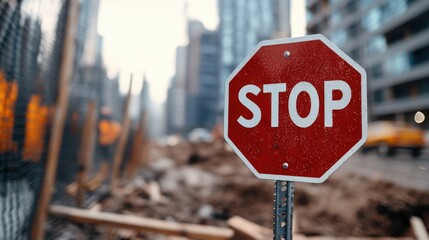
[{"x": 340, "y": 161}]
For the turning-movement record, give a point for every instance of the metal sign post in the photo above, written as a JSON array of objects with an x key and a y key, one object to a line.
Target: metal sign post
[{"x": 283, "y": 207}]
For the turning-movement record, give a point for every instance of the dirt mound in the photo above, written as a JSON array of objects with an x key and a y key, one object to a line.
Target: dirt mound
[
  {"x": 212, "y": 184},
  {"x": 354, "y": 206}
]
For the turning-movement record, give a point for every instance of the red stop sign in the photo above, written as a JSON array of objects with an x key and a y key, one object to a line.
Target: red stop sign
[{"x": 295, "y": 109}]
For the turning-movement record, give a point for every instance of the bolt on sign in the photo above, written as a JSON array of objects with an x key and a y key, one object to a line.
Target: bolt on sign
[{"x": 295, "y": 109}]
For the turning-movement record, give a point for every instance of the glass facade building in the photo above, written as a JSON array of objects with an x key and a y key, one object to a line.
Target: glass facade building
[
  {"x": 390, "y": 39},
  {"x": 175, "y": 105},
  {"x": 242, "y": 25},
  {"x": 193, "y": 94},
  {"x": 201, "y": 83}
]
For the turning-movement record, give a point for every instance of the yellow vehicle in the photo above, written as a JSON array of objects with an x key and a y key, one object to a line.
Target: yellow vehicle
[{"x": 388, "y": 136}]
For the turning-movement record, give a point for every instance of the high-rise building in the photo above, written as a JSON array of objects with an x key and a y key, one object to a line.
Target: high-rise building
[
  {"x": 242, "y": 25},
  {"x": 390, "y": 39},
  {"x": 208, "y": 76},
  {"x": 90, "y": 80},
  {"x": 175, "y": 105},
  {"x": 202, "y": 86},
  {"x": 144, "y": 95},
  {"x": 193, "y": 92}
]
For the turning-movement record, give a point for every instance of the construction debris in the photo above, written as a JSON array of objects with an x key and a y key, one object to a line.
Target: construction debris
[
  {"x": 215, "y": 186},
  {"x": 140, "y": 224},
  {"x": 419, "y": 228},
  {"x": 248, "y": 230}
]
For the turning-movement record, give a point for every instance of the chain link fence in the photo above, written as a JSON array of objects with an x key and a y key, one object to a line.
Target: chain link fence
[
  {"x": 30, "y": 52},
  {"x": 31, "y": 45}
]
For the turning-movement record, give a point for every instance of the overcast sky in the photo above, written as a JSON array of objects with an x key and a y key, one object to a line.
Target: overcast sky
[{"x": 141, "y": 36}]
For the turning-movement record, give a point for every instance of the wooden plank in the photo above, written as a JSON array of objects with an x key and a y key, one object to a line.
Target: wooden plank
[
  {"x": 249, "y": 230},
  {"x": 245, "y": 229},
  {"x": 126, "y": 234},
  {"x": 153, "y": 191},
  {"x": 302, "y": 237},
  {"x": 177, "y": 238},
  {"x": 86, "y": 152},
  {"x": 141, "y": 224},
  {"x": 96, "y": 207},
  {"x": 96, "y": 181},
  {"x": 137, "y": 150},
  {"x": 65, "y": 75},
  {"x": 117, "y": 160},
  {"x": 71, "y": 189},
  {"x": 93, "y": 183},
  {"x": 419, "y": 228}
]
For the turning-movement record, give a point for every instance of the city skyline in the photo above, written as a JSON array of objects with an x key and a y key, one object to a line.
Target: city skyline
[
  {"x": 138, "y": 57},
  {"x": 195, "y": 100},
  {"x": 154, "y": 30}
]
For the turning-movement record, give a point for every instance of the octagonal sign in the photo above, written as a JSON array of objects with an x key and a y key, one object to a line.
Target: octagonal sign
[{"x": 295, "y": 109}]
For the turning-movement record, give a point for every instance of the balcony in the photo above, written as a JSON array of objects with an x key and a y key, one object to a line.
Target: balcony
[
  {"x": 415, "y": 9},
  {"x": 406, "y": 45},
  {"x": 401, "y": 105},
  {"x": 418, "y": 72}
]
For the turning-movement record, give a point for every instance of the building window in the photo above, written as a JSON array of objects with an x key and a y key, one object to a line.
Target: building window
[
  {"x": 393, "y": 8},
  {"x": 309, "y": 15},
  {"x": 376, "y": 71},
  {"x": 313, "y": 10},
  {"x": 332, "y": 2},
  {"x": 378, "y": 96},
  {"x": 351, "y": 7},
  {"x": 411, "y": 89},
  {"x": 423, "y": 86},
  {"x": 364, "y": 3},
  {"x": 335, "y": 18},
  {"x": 354, "y": 30},
  {"x": 420, "y": 23},
  {"x": 339, "y": 37},
  {"x": 398, "y": 63},
  {"x": 355, "y": 54},
  {"x": 376, "y": 45},
  {"x": 402, "y": 91},
  {"x": 372, "y": 21},
  {"x": 420, "y": 56}
]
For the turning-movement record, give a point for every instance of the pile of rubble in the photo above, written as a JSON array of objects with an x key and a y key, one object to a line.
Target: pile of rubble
[{"x": 205, "y": 183}]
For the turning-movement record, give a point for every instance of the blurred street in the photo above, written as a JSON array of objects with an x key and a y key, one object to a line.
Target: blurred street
[{"x": 401, "y": 169}]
